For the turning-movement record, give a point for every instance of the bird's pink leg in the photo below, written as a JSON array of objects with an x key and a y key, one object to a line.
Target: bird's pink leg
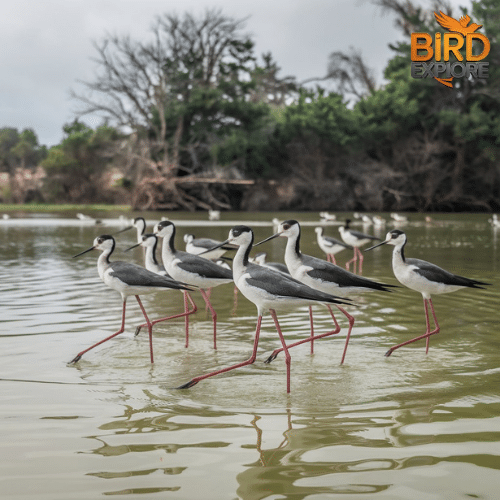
[
  {"x": 275, "y": 353},
  {"x": 427, "y": 333},
  {"x": 150, "y": 327},
  {"x": 348, "y": 336},
  {"x": 121, "y": 330},
  {"x": 360, "y": 258},
  {"x": 186, "y": 313},
  {"x": 288, "y": 358},
  {"x": 235, "y": 301},
  {"x": 209, "y": 294},
  {"x": 214, "y": 314},
  {"x": 333, "y": 259},
  {"x": 354, "y": 259},
  {"x": 312, "y": 328},
  {"x": 436, "y": 330},
  {"x": 249, "y": 361}
]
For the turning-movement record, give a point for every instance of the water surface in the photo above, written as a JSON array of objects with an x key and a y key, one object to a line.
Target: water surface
[{"x": 405, "y": 427}]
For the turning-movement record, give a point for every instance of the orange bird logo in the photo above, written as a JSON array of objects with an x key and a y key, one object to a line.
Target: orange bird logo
[
  {"x": 451, "y": 24},
  {"x": 455, "y": 26}
]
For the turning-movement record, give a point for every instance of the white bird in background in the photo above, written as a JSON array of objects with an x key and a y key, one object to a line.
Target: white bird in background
[
  {"x": 399, "y": 218},
  {"x": 331, "y": 246},
  {"x": 355, "y": 239},
  {"x": 327, "y": 217},
  {"x": 199, "y": 246},
  {"x": 214, "y": 215}
]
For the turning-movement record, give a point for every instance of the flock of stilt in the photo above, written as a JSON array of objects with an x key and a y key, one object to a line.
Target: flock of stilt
[{"x": 305, "y": 280}]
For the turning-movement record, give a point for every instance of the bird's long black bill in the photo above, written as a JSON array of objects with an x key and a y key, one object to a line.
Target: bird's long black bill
[
  {"x": 85, "y": 251},
  {"x": 375, "y": 246},
  {"x": 123, "y": 230},
  {"x": 267, "y": 239},
  {"x": 133, "y": 246},
  {"x": 215, "y": 247}
]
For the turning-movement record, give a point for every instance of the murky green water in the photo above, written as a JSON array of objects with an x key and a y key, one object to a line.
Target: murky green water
[{"x": 406, "y": 427}]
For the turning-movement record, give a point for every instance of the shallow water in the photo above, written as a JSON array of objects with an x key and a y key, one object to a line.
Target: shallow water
[{"x": 404, "y": 427}]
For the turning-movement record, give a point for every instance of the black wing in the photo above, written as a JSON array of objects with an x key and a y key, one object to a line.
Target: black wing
[
  {"x": 203, "y": 267},
  {"x": 325, "y": 271},
  {"x": 436, "y": 273},
  {"x": 135, "y": 275},
  {"x": 282, "y": 285}
]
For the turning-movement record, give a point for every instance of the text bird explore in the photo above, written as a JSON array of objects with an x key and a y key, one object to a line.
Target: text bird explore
[
  {"x": 423, "y": 277},
  {"x": 268, "y": 290}
]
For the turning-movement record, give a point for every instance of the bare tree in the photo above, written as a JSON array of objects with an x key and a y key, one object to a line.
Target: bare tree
[{"x": 146, "y": 88}]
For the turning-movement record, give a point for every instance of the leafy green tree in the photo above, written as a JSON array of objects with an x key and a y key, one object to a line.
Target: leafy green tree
[
  {"x": 19, "y": 150},
  {"x": 75, "y": 166}
]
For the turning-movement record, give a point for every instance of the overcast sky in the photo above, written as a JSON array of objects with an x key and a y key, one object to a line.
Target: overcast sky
[{"x": 46, "y": 46}]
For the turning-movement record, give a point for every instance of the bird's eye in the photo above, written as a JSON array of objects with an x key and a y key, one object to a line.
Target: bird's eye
[
  {"x": 99, "y": 240},
  {"x": 286, "y": 226}
]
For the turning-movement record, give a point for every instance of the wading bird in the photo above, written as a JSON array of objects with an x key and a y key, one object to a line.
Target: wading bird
[
  {"x": 321, "y": 275},
  {"x": 329, "y": 245},
  {"x": 191, "y": 269},
  {"x": 127, "y": 279},
  {"x": 423, "y": 277},
  {"x": 150, "y": 242},
  {"x": 268, "y": 290},
  {"x": 355, "y": 239}
]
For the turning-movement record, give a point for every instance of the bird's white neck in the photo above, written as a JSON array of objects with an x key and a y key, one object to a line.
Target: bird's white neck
[
  {"x": 240, "y": 261},
  {"x": 398, "y": 258},
  {"x": 167, "y": 249},
  {"x": 292, "y": 252},
  {"x": 103, "y": 262},
  {"x": 150, "y": 257}
]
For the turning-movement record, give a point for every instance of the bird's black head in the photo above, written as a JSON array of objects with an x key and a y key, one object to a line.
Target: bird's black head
[
  {"x": 395, "y": 233},
  {"x": 289, "y": 223},
  {"x": 237, "y": 231}
]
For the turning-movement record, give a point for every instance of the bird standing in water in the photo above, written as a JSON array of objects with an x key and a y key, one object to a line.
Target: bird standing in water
[
  {"x": 423, "y": 277},
  {"x": 127, "y": 279},
  {"x": 269, "y": 290}
]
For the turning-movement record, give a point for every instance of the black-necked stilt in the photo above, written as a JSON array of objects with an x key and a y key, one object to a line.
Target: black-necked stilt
[
  {"x": 260, "y": 259},
  {"x": 127, "y": 279},
  {"x": 329, "y": 245},
  {"x": 327, "y": 217},
  {"x": 494, "y": 221},
  {"x": 423, "y": 277},
  {"x": 140, "y": 224},
  {"x": 322, "y": 275},
  {"x": 268, "y": 290},
  {"x": 378, "y": 221},
  {"x": 214, "y": 215},
  {"x": 191, "y": 269},
  {"x": 150, "y": 242},
  {"x": 198, "y": 246},
  {"x": 399, "y": 218},
  {"x": 365, "y": 219},
  {"x": 356, "y": 240}
]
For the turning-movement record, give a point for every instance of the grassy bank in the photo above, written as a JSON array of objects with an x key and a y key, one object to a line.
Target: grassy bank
[{"x": 47, "y": 207}]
